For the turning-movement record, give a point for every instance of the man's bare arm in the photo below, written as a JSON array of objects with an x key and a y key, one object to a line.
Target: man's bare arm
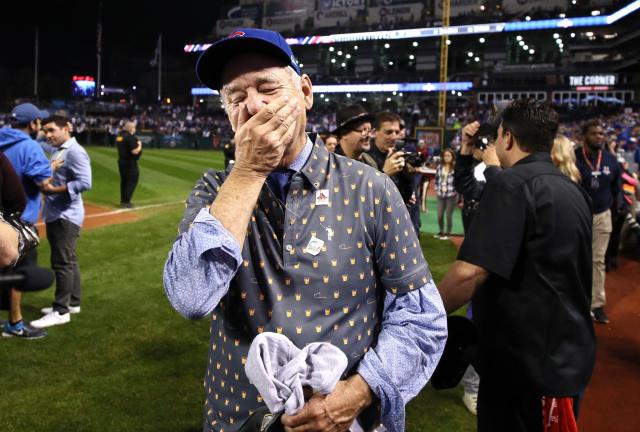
[{"x": 459, "y": 284}]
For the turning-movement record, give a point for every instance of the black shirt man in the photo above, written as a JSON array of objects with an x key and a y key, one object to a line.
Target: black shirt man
[
  {"x": 129, "y": 150},
  {"x": 526, "y": 261}
]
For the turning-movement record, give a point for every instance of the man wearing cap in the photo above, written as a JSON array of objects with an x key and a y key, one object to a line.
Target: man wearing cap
[
  {"x": 31, "y": 165},
  {"x": 354, "y": 131},
  {"x": 295, "y": 240}
]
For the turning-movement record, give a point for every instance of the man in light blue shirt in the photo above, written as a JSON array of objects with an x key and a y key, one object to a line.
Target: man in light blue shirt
[
  {"x": 64, "y": 214},
  {"x": 295, "y": 240}
]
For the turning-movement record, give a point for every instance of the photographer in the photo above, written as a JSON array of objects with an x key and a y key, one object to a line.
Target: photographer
[
  {"x": 470, "y": 176},
  {"x": 476, "y": 164},
  {"x": 399, "y": 160}
]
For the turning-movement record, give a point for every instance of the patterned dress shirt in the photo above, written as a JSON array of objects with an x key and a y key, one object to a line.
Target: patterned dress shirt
[{"x": 337, "y": 262}]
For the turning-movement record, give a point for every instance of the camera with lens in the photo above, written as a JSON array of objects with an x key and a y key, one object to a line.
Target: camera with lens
[
  {"x": 413, "y": 158},
  {"x": 487, "y": 133}
]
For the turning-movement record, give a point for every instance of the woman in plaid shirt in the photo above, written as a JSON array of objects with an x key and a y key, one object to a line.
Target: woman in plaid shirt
[{"x": 445, "y": 192}]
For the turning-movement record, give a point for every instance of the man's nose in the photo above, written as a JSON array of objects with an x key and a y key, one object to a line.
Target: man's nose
[{"x": 254, "y": 102}]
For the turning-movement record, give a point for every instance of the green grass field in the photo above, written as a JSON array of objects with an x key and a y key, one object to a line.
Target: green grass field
[{"x": 129, "y": 362}]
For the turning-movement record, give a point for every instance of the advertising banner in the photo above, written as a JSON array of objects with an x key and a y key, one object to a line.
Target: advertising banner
[
  {"x": 460, "y": 7},
  {"x": 325, "y": 5},
  {"x": 287, "y": 7},
  {"x": 334, "y": 17},
  {"x": 283, "y": 23},
  {"x": 519, "y": 6},
  {"x": 373, "y": 3},
  {"x": 226, "y": 26},
  {"x": 397, "y": 13}
]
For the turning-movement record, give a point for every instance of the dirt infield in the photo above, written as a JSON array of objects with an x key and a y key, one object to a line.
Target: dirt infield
[
  {"x": 613, "y": 395},
  {"x": 96, "y": 216}
]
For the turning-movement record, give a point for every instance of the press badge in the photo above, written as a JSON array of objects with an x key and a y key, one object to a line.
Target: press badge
[
  {"x": 322, "y": 197},
  {"x": 315, "y": 246}
]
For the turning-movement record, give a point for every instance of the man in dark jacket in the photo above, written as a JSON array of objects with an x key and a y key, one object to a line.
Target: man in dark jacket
[{"x": 129, "y": 150}]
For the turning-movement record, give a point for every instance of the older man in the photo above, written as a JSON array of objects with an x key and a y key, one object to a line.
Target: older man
[{"x": 296, "y": 240}]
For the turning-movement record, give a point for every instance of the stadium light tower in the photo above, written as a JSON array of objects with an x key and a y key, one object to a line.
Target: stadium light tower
[
  {"x": 99, "y": 51},
  {"x": 444, "y": 57}
]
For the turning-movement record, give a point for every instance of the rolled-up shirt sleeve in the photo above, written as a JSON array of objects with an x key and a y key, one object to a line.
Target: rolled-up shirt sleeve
[
  {"x": 409, "y": 347},
  {"x": 200, "y": 266},
  {"x": 80, "y": 166}
]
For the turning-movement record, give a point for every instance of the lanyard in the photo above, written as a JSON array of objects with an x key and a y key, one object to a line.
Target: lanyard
[{"x": 597, "y": 168}]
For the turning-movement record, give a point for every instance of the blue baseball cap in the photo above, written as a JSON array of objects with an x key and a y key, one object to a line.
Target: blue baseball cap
[
  {"x": 27, "y": 112},
  {"x": 212, "y": 61}
]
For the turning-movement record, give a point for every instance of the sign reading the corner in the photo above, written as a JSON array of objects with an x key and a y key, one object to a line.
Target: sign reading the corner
[{"x": 593, "y": 80}]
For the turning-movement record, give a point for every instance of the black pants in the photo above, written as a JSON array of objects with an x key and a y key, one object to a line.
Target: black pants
[
  {"x": 63, "y": 237},
  {"x": 611, "y": 256},
  {"x": 500, "y": 408},
  {"x": 30, "y": 259},
  {"x": 128, "y": 179}
]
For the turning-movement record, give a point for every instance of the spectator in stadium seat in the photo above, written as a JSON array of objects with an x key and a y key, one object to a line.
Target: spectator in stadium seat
[
  {"x": 354, "y": 133},
  {"x": 32, "y": 167},
  {"x": 129, "y": 151},
  {"x": 296, "y": 240},
  {"x": 526, "y": 262},
  {"x": 64, "y": 214},
  {"x": 601, "y": 180}
]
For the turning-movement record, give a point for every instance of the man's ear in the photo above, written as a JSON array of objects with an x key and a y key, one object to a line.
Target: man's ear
[
  {"x": 307, "y": 91},
  {"x": 509, "y": 140}
]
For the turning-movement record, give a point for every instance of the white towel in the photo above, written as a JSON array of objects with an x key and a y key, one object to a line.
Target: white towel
[{"x": 279, "y": 370}]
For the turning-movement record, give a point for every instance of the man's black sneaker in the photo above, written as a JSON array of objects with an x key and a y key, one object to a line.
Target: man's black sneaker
[
  {"x": 24, "y": 331},
  {"x": 599, "y": 316}
]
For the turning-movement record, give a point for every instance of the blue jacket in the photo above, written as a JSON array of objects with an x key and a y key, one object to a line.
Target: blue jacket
[{"x": 30, "y": 164}]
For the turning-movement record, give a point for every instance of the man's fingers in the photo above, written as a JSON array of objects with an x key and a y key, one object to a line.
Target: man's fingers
[
  {"x": 286, "y": 123},
  {"x": 243, "y": 117},
  {"x": 288, "y": 135},
  {"x": 300, "y": 419},
  {"x": 284, "y": 117},
  {"x": 267, "y": 112}
]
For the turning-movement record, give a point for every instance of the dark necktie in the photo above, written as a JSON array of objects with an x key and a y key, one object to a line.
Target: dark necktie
[{"x": 279, "y": 182}]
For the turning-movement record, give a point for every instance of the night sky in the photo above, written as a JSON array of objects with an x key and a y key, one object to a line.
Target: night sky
[{"x": 68, "y": 40}]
